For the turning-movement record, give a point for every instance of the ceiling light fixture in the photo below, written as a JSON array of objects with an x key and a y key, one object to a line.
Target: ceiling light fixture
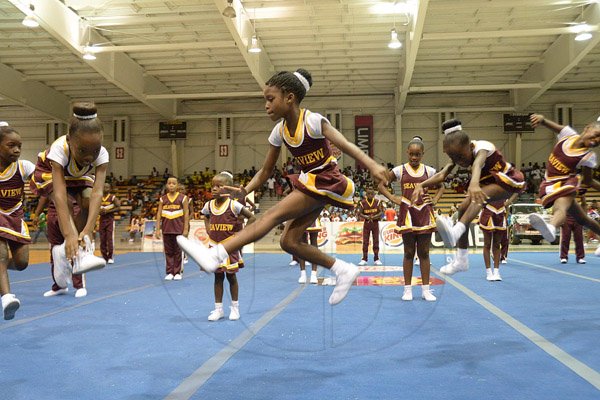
[
  {"x": 394, "y": 42},
  {"x": 254, "y": 47},
  {"x": 29, "y": 20},
  {"x": 582, "y": 31},
  {"x": 229, "y": 11}
]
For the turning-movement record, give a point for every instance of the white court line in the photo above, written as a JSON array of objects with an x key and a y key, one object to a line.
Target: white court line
[
  {"x": 84, "y": 303},
  {"x": 581, "y": 369},
  {"x": 105, "y": 268},
  {"x": 190, "y": 385},
  {"x": 554, "y": 270}
]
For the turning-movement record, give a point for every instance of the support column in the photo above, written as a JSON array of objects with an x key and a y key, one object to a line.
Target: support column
[
  {"x": 518, "y": 150},
  {"x": 174, "y": 163},
  {"x": 398, "y": 152}
]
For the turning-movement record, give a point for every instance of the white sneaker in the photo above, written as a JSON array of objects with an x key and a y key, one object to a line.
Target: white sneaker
[
  {"x": 86, "y": 261},
  {"x": 10, "y": 305},
  {"x": 428, "y": 296},
  {"x": 538, "y": 223},
  {"x": 497, "y": 276},
  {"x": 216, "y": 314},
  {"x": 58, "y": 292},
  {"x": 206, "y": 258},
  {"x": 489, "y": 274},
  {"x": 581, "y": 261},
  {"x": 302, "y": 278},
  {"x": 81, "y": 292},
  {"x": 344, "y": 281},
  {"x": 362, "y": 262},
  {"x": 169, "y": 277},
  {"x": 293, "y": 262},
  {"x": 503, "y": 261},
  {"x": 110, "y": 261},
  {"x": 407, "y": 295},
  {"x": 177, "y": 277},
  {"x": 130, "y": 240},
  {"x": 62, "y": 267},
  {"x": 185, "y": 260},
  {"x": 455, "y": 266},
  {"x": 444, "y": 228},
  {"x": 563, "y": 260},
  {"x": 378, "y": 262},
  {"x": 417, "y": 261},
  {"x": 234, "y": 313},
  {"x": 313, "y": 279}
]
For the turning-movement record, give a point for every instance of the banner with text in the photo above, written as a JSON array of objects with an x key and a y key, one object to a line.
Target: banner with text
[
  {"x": 363, "y": 135},
  {"x": 197, "y": 234}
]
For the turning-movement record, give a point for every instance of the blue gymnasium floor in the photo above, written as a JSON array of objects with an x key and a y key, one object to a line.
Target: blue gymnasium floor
[{"x": 533, "y": 336}]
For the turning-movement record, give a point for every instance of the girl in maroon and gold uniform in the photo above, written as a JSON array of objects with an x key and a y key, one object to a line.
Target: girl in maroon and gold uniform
[
  {"x": 321, "y": 182},
  {"x": 416, "y": 222},
  {"x": 562, "y": 181},
  {"x": 492, "y": 222},
  {"x": 110, "y": 204},
  {"x": 14, "y": 235},
  {"x": 172, "y": 219},
  {"x": 371, "y": 211},
  {"x": 222, "y": 220},
  {"x": 74, "y": 167},
  {"x": 492, "y": 178}
]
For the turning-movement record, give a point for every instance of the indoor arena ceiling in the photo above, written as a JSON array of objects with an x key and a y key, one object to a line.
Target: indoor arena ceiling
[{"x": 163, "y": 52}]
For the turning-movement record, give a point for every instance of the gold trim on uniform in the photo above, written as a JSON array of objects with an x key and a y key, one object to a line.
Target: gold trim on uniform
[
  {"x": 9, "y": 172},
  {"x": 298, "y": 137}
]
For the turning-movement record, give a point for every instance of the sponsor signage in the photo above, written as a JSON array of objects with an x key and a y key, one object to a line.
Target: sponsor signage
[{"x": 363, "y": 135}]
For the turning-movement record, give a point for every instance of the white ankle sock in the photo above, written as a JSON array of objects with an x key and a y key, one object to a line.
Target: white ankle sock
[
  {"x": 462, "y": 254},
  {"x": 218, "y": 306},
  {"x": 552, "y": 229},
  {"x": 234, "y": 304},
  {"x": 425, "y": 288},
  {"x": 338, "y": 266},
  {"x": 458, "y": 229},
  {"x": 407, "y": 288}
]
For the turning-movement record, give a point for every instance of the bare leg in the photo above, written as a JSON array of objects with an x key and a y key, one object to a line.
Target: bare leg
[
  {"x": 410, "y": 244},
  {"x": 423, "y": 243},
  {"x": 233, "y": 286},
  {"x": 293, "y": 206},
  {"x": 487, "y": 244},
  {"x": 218, "y": 286}
]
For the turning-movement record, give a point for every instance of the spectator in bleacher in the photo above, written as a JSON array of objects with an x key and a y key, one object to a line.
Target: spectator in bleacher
[
  {"x": 41, "y": 226},
  {"x": 271, "y": 185},
  {"x": 134, "y": 227}
]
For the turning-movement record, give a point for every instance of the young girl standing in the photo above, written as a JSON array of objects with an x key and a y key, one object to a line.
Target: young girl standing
[
  {"x": 14, "y": 235},
  {"x": 222, "y": 215},
  {"x": 321, "y": 182},
  {"x": 174, "y": 215},
  {"x": 74, "y": 168},
  {"x": 416, "y": 220},
  {"x": 492, "y": 178},
  {"x": 562, "y": 182},
  {"x": 110, "y": 204},
  {"x": 492, "y": 222}
]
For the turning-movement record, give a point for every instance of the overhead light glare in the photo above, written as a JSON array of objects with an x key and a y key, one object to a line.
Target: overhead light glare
[
  {"x": 229, "y": 11},
  {"x": 254, "y": 47},
  {"x": 88, "y": 55},
  {"x": 394, "y": 42},
  {"x": 583, "y": 36}
]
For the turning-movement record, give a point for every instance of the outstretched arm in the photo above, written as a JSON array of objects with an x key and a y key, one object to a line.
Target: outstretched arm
[
  {"x": 378, "y": 172},
  {"x": 437, "y": 179},
  {"x": 588, "y": 178},
  {"x": 539, "y": 119}
]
